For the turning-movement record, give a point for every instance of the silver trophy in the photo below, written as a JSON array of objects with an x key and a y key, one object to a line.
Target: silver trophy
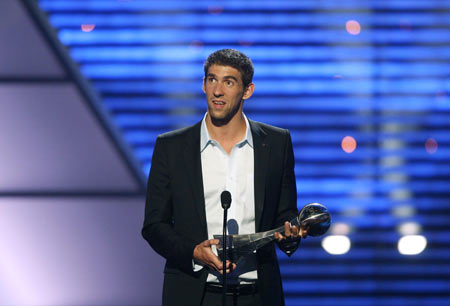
[{"x": 314, "y": 217}]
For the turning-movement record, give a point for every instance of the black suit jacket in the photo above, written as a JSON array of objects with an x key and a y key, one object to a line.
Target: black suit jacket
[{"x": 175, "y": 218}]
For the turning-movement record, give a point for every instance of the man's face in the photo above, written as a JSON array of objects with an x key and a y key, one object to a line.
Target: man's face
[{"x": 225, "y": 92}]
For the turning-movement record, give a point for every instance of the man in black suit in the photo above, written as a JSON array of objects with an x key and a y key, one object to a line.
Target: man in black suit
[{"x": 192, "y": 166}]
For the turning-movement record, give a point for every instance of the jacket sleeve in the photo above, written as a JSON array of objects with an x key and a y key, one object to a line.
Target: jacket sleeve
[
  {"x": 158, "y": 227},
  {"x": 287, "y": 209}
]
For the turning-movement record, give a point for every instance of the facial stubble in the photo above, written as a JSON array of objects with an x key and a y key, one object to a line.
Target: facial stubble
[{"x": 228, "y": 116}]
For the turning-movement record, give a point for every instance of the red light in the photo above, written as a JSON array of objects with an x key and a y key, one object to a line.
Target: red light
[
  {"x": 196, "y": 46},
  {"x": 441, "y": 96},
  {"x": 245, "y": 43},
  {"x": 215, "y": 10},
  {"x": 405, "y": 25},
  {"x": 431, "y": 146}
]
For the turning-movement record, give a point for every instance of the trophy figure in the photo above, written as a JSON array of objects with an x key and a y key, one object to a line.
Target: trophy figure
[{"x": 314, "y": 217}]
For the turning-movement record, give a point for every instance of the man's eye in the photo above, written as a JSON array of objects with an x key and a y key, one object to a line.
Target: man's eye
[
  {"x": 229, "y": 83},
  {"x": 211, "y": 80}
]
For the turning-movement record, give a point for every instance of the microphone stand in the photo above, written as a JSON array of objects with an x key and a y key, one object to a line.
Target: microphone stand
[
  {"x": 225, "y": 199},
  {"x": 224, "y": 257}
]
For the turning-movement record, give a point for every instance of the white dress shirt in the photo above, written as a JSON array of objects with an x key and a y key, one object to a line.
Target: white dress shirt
[{"x": 233, "y": 172}]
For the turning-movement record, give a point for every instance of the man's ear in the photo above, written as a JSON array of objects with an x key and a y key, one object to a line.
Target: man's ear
[
  {"x": 203, "y": 85},
  {"x": 248, "y": 91}
]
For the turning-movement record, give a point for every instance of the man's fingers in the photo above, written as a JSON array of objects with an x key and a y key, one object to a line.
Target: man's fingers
[
  {"x": 216, "y": 263},
  {"x": 205, "y": 254},
  {"x": 229, "y": 269},
  {"x": 210, "y": 242},
  {"x": 290, "y": 232},
  {"x": 287, "y": 229},
  {"x": 278, "y": 236},
  {"x": 230, "y": 266},
  {"x": 304, "y": 232},
  {"x": 294, "y": 231}
]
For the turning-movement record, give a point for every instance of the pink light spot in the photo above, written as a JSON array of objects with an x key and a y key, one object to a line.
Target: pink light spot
[
  {"x": 348, "y": 144},
  {"x": 353, "y": 27},
  {"x": 87, "y": 27}
]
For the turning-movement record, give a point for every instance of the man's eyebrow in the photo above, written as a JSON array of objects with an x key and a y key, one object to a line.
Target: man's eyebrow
[
  {"x": 227, "y": 77},
  {"x": 230, "y": 77}
]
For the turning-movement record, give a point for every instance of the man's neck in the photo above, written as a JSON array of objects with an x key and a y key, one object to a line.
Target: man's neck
[{"x": 228, "y": 135}]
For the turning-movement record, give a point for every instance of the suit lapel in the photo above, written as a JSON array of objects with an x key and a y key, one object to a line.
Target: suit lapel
[
  {"x": 261, "y": 162},
  {"x": 193, "y": 164}
]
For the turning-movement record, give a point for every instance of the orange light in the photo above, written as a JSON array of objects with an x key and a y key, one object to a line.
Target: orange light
[
  {"x": 353, "y": 27},
  {"x": 431, "y": 146},
  {"x": 87, "y": 27},
  {"x": 348, "y": 144}
]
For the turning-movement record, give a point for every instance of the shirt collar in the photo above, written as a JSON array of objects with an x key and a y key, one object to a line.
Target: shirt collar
[{"x": 205, "y": 139}]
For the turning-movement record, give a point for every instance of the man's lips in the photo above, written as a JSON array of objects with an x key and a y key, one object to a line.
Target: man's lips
[{"x": 218, "y": 102}]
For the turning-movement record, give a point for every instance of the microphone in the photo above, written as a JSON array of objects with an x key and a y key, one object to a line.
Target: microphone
[{"x": 225, "y": 199}]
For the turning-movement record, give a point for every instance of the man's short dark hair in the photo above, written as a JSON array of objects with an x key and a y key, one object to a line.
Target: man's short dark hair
[{"x": 233, "y": 58}]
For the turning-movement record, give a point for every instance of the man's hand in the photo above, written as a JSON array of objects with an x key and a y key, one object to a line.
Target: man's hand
[
  {"x": 291, "y": 233},
  {"x": 204, "y": 254}
]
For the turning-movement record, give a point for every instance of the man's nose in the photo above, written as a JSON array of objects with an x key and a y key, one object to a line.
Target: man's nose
[{"x": 218, "y": 90}]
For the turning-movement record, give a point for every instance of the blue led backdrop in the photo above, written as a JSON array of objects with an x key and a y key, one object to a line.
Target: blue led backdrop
[{"x": 363, "y": 86}]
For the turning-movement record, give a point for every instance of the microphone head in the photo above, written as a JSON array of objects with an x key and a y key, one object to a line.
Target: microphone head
[{"x": 225, "y": 199}]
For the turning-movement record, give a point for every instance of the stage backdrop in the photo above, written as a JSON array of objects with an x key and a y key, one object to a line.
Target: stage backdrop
[
  {"x": 71, "y": 199},
  {"x": 362, "y": 86}
]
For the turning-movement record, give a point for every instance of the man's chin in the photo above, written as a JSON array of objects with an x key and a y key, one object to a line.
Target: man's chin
[
  {"x": 219, "y": 120},
  {"x": 222, "y": 118}
]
